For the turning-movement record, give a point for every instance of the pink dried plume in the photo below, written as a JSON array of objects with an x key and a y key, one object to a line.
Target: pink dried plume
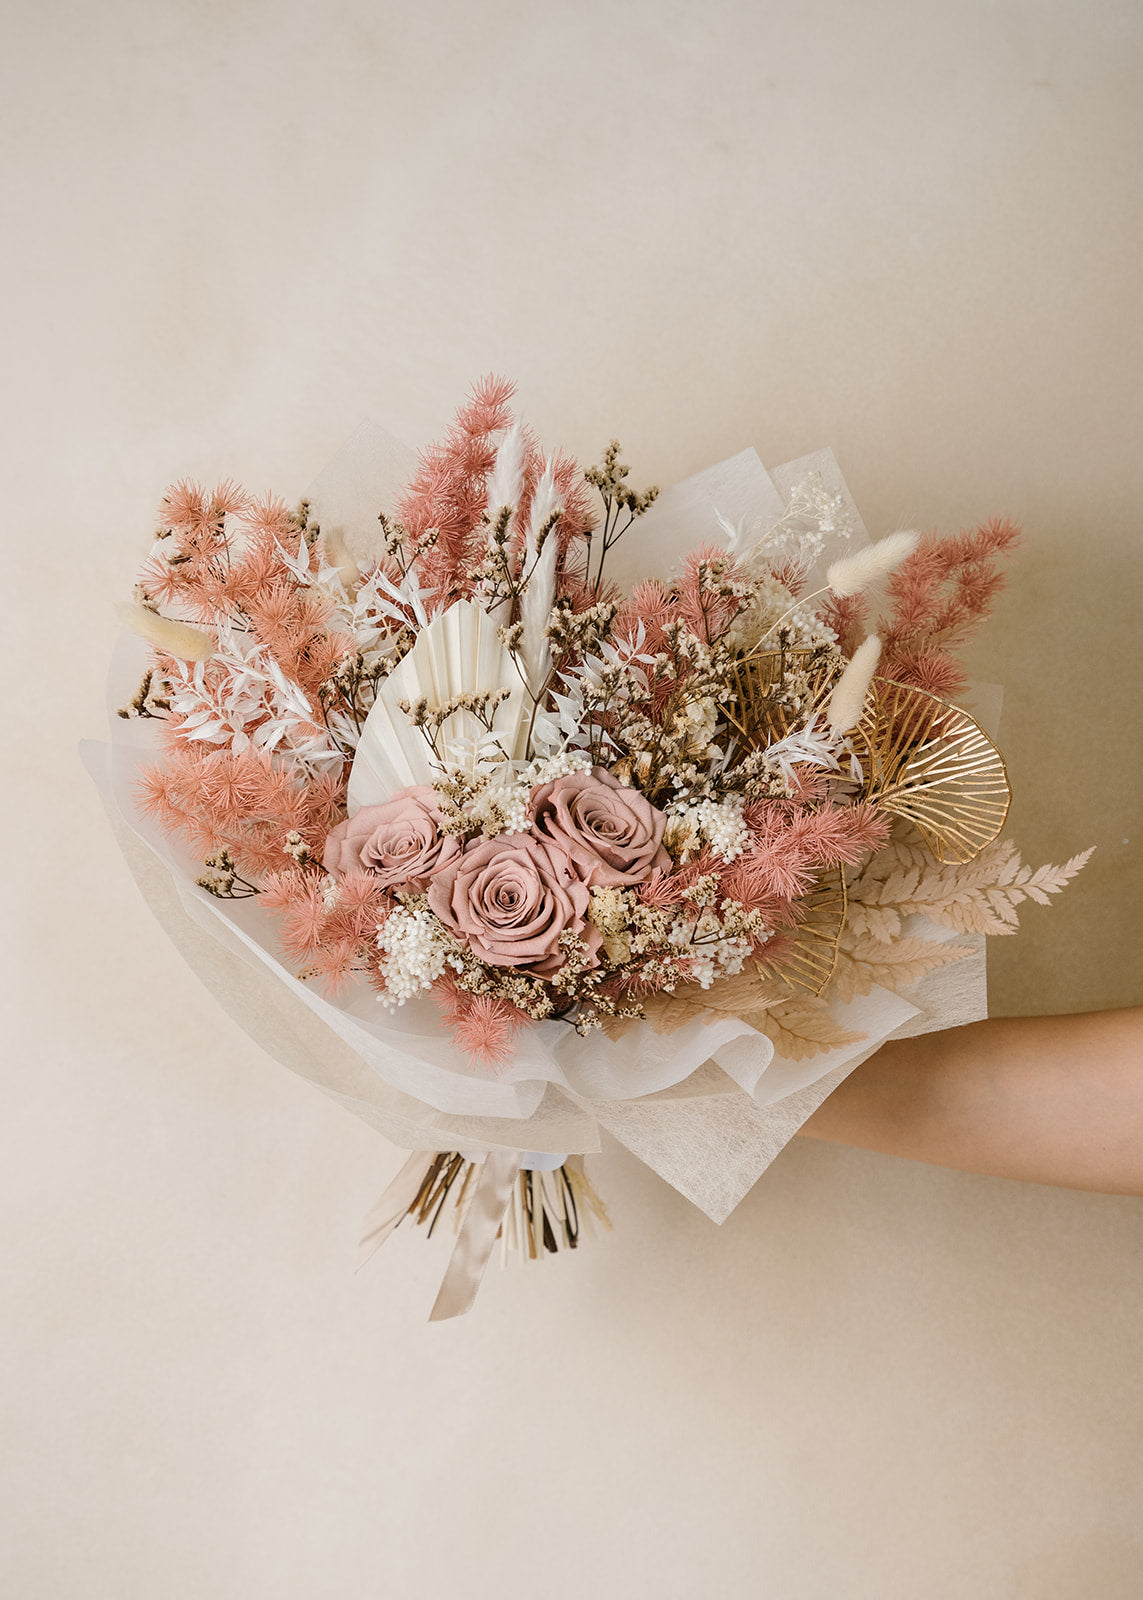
[{"x": 483, "y": 1026}]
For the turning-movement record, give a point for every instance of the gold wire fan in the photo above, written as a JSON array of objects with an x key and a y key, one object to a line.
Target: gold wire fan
[
  {"x": 930, "y": 762},
  {"x": 753, "y": 714},
  {"x": 810, "y": 963}
]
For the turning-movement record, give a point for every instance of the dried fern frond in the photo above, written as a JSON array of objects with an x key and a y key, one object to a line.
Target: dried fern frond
[
  {"x": 866, "y": 960},
  {"x": 747, "y": 995},
  {"x": 800, "y": 1029},
  {"x": 979, "y": 896}
]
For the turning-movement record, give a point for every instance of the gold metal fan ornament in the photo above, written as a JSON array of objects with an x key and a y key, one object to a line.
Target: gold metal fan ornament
[
  {"x": 929, "y": 762},
  {"x": 810, "y": 961},
  {"x": 922, "y": 758},
  {"x": 760, "y": 711}
]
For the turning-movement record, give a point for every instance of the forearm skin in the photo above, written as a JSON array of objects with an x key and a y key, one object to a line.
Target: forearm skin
[{"x": 1054, "y": 1100}]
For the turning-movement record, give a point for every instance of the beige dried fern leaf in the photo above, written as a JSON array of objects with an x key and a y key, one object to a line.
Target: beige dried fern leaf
[
  {"x": 803, "y": 1028},
  {"x": 747, "y": 995},
  {"x": 980, "y": 896},
  {"x": 865, "y": 960}
]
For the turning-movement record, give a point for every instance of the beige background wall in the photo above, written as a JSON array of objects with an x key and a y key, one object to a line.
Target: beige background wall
[{"x": 233, "y": 229}]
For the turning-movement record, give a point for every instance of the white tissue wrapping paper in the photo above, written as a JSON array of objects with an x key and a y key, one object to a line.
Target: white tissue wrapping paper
[{"x": 707, "y": 1108}]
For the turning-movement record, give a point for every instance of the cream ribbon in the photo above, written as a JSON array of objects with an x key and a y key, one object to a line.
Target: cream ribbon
[
  {"x": 479, "y": 1226},
  {"x": 478, "y": 1231}
]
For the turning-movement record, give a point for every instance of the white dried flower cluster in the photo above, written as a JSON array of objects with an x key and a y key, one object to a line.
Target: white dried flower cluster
[
  {"x": 500, "y": 808},
  {"x": 700, "y": 719},
  {"x": 241, "y": 698},
  {"x": 368, "y": 610},
  {"x": 814, "y": 515},
  {"x": 557, "y": 766},
  {"x": 611, "y": 675},
  {"x": 800, "y": 625},
  {"x": 417, "y": 951},
  {"x": 717, "y": 823},
  {"x": 813, "y": 502},
  {"x": 805, "y": 630},
  {"x": 712, "y": 958},
  {"x": 812, "y": 746}
]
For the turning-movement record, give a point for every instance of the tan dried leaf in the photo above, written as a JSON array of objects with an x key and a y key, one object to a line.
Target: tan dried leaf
[
  {"x": 803, "y": 1028},
  {"x": 747, "y": 995},
  {"x": 879, "y": 922},
  {"x": 980, "y": 896},
  {"x": 864, "y": 961}
]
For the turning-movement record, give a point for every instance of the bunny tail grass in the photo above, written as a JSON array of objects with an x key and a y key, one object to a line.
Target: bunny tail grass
[
  {"x": 857, "y": 571},
  {"x": 848, "y": 698},
  {"x": 172, "y": 638}
]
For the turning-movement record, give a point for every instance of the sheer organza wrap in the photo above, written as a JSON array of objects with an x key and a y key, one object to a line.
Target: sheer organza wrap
[{"x": 707, "y": 1108}]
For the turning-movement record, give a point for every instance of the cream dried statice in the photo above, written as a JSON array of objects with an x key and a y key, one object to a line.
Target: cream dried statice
[{"x": 708, "y": 949}]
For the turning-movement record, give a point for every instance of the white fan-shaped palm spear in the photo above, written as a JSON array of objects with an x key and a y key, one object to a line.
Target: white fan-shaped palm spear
[
  {"x": 539, "y": 591},
  {"x": 460, "y": 653}
]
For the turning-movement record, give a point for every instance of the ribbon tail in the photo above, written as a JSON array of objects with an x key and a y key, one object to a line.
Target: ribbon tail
[
  {"x": 394, "y": 1204},
  {"x": 477, "y": 1235}
]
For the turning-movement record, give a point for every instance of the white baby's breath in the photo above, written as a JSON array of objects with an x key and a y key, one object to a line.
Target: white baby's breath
[
  {"x": 417, "y": 951},
  {"x": 717, "y": 823}
]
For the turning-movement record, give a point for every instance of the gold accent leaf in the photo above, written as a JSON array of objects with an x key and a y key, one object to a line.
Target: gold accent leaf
[
  {"x": 759, "y": 682},
  {"x": 930, "y": 762},
  {"x": 809, "y": 963}
]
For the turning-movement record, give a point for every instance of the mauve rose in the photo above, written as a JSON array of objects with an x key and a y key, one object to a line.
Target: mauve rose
[
  {"x": 509, "y": 899},
  {"x": 400, "y": 842},
  {"x": 613, "y": 834}
]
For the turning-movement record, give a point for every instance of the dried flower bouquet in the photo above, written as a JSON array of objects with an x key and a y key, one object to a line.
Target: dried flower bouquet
[{"x": 618, "y": 834}]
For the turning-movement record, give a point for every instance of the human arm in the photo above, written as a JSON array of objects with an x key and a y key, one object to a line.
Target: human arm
[{"x": 1056, "y": 1100}]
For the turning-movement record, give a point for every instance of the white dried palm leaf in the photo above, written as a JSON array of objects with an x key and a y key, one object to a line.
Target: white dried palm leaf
[
  {"x": 460, "y": 652},
  {"x": 540, "y": 591}
]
